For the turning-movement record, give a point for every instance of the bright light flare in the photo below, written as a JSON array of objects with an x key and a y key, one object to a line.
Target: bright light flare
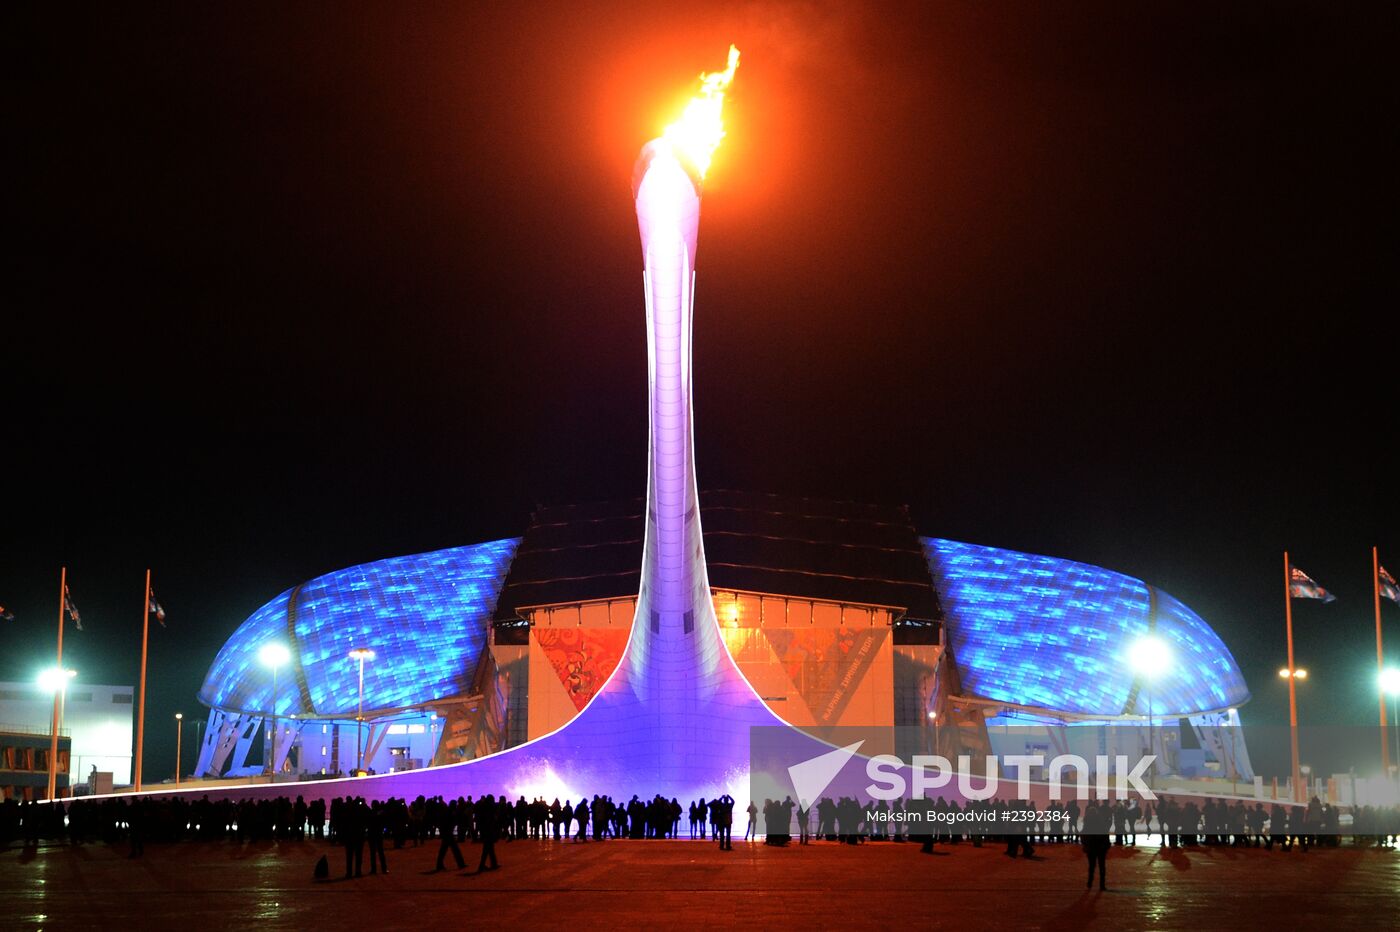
[
  {"x": 53, "y": 679},
  {"x": 1390, "y": 680},
  {"x": 697, "y": 134},
  {"x": 1298, "y": 673},
  {"x": 362, "y": 653},
  {"x": 1150, "y": 656},
  {"x": 274, "y": 655}
]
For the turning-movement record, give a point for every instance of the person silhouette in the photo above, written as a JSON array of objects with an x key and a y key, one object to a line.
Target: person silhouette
[
  {"x": 353, "y": 836},
  {"x": 581, "y": 814},
  {"x": 136, "y": 826},
  {"x": 446, "y": 824},
  {"x": 488, "y": 828},
  {"x": 375, "y": 825},
  {"x": 1097, "y": 823},
  {"x": 722, "y": 820}
]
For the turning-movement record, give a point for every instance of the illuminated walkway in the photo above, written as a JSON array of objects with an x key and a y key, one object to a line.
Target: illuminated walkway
[{"x": 691, "y": 884}]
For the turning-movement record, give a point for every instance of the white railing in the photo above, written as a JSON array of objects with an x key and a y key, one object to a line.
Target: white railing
[{"x": 7, "y": 729}]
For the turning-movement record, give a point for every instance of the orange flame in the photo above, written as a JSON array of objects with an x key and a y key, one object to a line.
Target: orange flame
[{"x": 697, "y": 134}]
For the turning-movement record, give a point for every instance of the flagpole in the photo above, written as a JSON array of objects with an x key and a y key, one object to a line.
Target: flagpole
[
  {"x": 58, "y": 686},
  {"x": 141, "y": 709},
  {"x": 1292, "y": 678},
  {"x": 1380, "y": 657}
]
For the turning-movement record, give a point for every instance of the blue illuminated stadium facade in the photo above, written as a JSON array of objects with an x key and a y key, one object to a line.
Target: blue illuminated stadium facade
[
  {"x": 1030, "y": 636},
  {"x": 424, "y": 616},
  {"x": 1053, "y": 634}
]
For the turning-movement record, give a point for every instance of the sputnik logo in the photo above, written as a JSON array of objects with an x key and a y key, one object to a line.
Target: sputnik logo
[{"x": 811, "y": 777}]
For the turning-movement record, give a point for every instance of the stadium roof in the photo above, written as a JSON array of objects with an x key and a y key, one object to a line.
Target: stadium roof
[
  {"x": 1055, "y": 634},
  {"x": 425, "y": 617},
  {"x": 1026, "y": 630},
  {"x": 804, "y": 548}
]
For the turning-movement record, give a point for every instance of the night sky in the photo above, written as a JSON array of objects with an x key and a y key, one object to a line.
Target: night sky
[{"x": 297, "y": 287}]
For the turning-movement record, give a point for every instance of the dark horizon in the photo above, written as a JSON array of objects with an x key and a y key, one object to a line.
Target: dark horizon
[{"x": 299, "y": 292}]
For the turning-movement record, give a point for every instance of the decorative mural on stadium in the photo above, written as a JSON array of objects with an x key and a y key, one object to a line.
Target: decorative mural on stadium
[{"x": 582, "y": 658}]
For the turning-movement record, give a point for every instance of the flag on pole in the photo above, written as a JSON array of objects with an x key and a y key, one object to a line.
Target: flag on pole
[
  {"x": 1301, "y": 586},
  {"x": 71, "y": 609},
  {"x": 155, "y": 609},
  {"x": 1389, "y": 588}
]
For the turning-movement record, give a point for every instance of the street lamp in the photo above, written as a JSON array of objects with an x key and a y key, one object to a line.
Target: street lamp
[
  {"x": 1234, "y": 719},
  {"x": 1150, "y": 657},
  {"x": 1390, "y": 683},
  {"x": 360, "y": 654},
  {"x": 1293, "y": 674},
  {"x": 55, "y": 680},
  {"x": 273, "y": 655},
  {"x": 179, "y": 737}
]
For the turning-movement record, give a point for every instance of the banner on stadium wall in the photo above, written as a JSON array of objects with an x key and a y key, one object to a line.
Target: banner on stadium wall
[
  {"x": 826, "y": 665},
  {"x": 582, "y": 658}
]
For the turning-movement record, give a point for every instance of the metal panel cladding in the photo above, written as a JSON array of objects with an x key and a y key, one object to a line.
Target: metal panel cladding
[
  {"x": 426, "y": 617},
  {"x": 1055, "y": 634}
]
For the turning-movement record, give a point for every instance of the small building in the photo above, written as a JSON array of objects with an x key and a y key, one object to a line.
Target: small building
[
  {"x": 98, "y": 724},
  {"x": 24, "y": 762}
]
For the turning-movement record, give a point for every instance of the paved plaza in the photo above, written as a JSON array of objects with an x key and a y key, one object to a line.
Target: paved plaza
[{"x": 683, "y": 885}]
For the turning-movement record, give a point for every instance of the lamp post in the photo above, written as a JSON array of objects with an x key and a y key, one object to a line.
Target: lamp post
[
  {"x": 1293, "y": 675},
  {"x": 65, "y": 607},
  {"x": 179, "y": 738},
  {"x": 1390, "y": 683},
  {"x": 141, "y": 695},
  {"x": 360, "y": 654},
  {"x": 1150, "y": 657},
  {"x": 273, "y": 655},
  {"x": 55, "y": 680},
  {"x": 1234, "y": 769}
]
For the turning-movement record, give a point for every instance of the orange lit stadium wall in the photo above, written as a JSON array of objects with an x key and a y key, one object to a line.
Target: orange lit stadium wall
[{"x": 815, "y": 663}]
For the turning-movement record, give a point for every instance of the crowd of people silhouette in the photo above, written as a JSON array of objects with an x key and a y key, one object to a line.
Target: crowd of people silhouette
[{"x": 357, "y": 825}]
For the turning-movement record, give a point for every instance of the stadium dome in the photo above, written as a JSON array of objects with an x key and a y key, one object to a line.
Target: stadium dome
[
  {"x": 1054, "y": 634},
  {"x": 838, "y": 613},
  {"x": 1027, "y": 630},
  {"x": 425, "y": 616}
]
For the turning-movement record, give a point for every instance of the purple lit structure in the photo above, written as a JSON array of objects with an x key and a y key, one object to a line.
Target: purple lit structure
[{"x": 674, "y": 717}]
